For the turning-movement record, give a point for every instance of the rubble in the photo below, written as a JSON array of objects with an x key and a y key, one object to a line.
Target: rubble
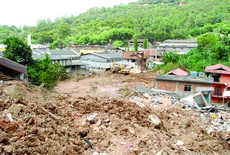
[
  {"x": 61, "y": 124},
  {"x": 216, "y": 119}
]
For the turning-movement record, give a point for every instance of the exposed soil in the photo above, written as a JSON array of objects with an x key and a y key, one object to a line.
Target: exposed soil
[
  {"x": 78, "y": 120},
  {"x": 104, "y": 85}
]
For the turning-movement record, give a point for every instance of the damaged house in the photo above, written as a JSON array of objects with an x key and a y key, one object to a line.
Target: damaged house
[
  {"x": 221, "y": 85},
  {"x": 11, "y": 70},
  {"x": 185, "y": 85}
]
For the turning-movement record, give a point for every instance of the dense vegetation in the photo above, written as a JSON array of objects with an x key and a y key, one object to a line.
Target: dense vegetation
[
  {"x": 44, "y": 72},
  {"x": 212, "y": 49},
  {"x": 39, "y": 71},
  {"x": 17, "y": 51},
  {"x": 155, "y": 20}
]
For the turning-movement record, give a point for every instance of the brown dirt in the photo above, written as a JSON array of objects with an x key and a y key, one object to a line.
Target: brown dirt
[
  {"x": 104, "y": 85},
  {"x": 57, "y": 124}
]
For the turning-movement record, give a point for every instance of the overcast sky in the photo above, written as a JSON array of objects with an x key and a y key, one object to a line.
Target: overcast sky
[{"x": 28, "y": 12}]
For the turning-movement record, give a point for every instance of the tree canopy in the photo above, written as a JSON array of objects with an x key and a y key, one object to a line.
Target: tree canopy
[
  {"x": 43, "y": 71},
  {"x": 17, "y": 51},
  {"x": 155, "y": 20}
]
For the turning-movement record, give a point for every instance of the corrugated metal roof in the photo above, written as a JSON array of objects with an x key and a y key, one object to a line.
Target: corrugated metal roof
[
  {"x": 177, "y": 71},
  {"x": 178, "y": 78},
  {"x": 13, "y": 65},
  {"x": 57, "y": 54},
  {"x": 180, "y": 41},
  {"x": 109, "y": 55}
]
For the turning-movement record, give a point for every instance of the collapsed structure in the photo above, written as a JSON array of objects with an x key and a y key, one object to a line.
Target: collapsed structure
[
  {"x": 12, "y": 70},
  {"x": 35, "y": 123}
]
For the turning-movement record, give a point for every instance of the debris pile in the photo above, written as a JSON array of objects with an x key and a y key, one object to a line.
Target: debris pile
[
  {"x": 216, "y": 119},
  {"x": 61, "y": 124}
]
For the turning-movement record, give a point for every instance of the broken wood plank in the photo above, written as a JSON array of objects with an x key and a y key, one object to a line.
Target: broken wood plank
[{"x": 51, "y": 115}]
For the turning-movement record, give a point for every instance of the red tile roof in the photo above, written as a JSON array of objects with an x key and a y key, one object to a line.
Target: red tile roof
[
  {"x": 218, "y": 68},
  {"x": 177, "y": 71}
]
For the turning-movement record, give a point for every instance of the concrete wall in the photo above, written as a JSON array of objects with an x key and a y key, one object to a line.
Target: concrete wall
[
  {"x": 64, "y": 62},
  {"x": 225, "y": 79}
]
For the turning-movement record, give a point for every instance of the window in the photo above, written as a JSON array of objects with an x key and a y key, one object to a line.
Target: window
[
  {"x": 187, "y": 87},
  {"x": 217, "y": 90},
  {"x": 228, "y": 89},
  {"x": 216, "y": 77}
]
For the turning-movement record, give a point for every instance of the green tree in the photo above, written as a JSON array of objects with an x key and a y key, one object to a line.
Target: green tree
[
  {"x": 207, "y": 42},
  {"x": 170, "y": 57},
  {"x": 168, "y": 67},
  {"x": 145, "y": 44},
  {"x": 43, "y": 71},
  {"x": 17, "y": 51},
  {"x": 135, "y": 44},
  {"x": 117, "y": 44}
]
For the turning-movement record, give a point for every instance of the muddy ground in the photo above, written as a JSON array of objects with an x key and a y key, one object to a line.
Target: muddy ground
[
  {"x": 94, "y": 116},
  {"x": 104, "y": 85}
]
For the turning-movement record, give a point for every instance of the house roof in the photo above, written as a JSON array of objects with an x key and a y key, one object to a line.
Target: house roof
[
  {"x": 218, "y": 68},
  {"x": 177, "y": 71},
  {"x": 180, "y": 41},
  {"x": 13, "y": 65},
  {"x": 55, "y": 54},
  {"x": 109, "y": 55},
  {"x": 189, "y": 79},
  {"x": 178, "y": 45}
]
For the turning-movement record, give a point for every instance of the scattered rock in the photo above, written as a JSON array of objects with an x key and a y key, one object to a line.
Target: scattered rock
[
  {"x": 155, "y": 120},
  {"x": 15, "y": 109},
  {"x": 105, "y": 143},
  {"x": 7, "y": 126},
  {"x": 132, "y": 131},
  {"x": 179, "y": 143},
  {"x": 161, "y": 153},
  {"x": 8, "y": 149}
]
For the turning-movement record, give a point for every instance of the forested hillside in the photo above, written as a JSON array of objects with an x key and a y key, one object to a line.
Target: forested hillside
[{"x": 155, "y": 20}]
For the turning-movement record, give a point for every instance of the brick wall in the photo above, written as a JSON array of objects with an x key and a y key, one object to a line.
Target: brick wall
[
  {"x": 166, "y": 85},
  {"x": 178, "y": 86}
]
